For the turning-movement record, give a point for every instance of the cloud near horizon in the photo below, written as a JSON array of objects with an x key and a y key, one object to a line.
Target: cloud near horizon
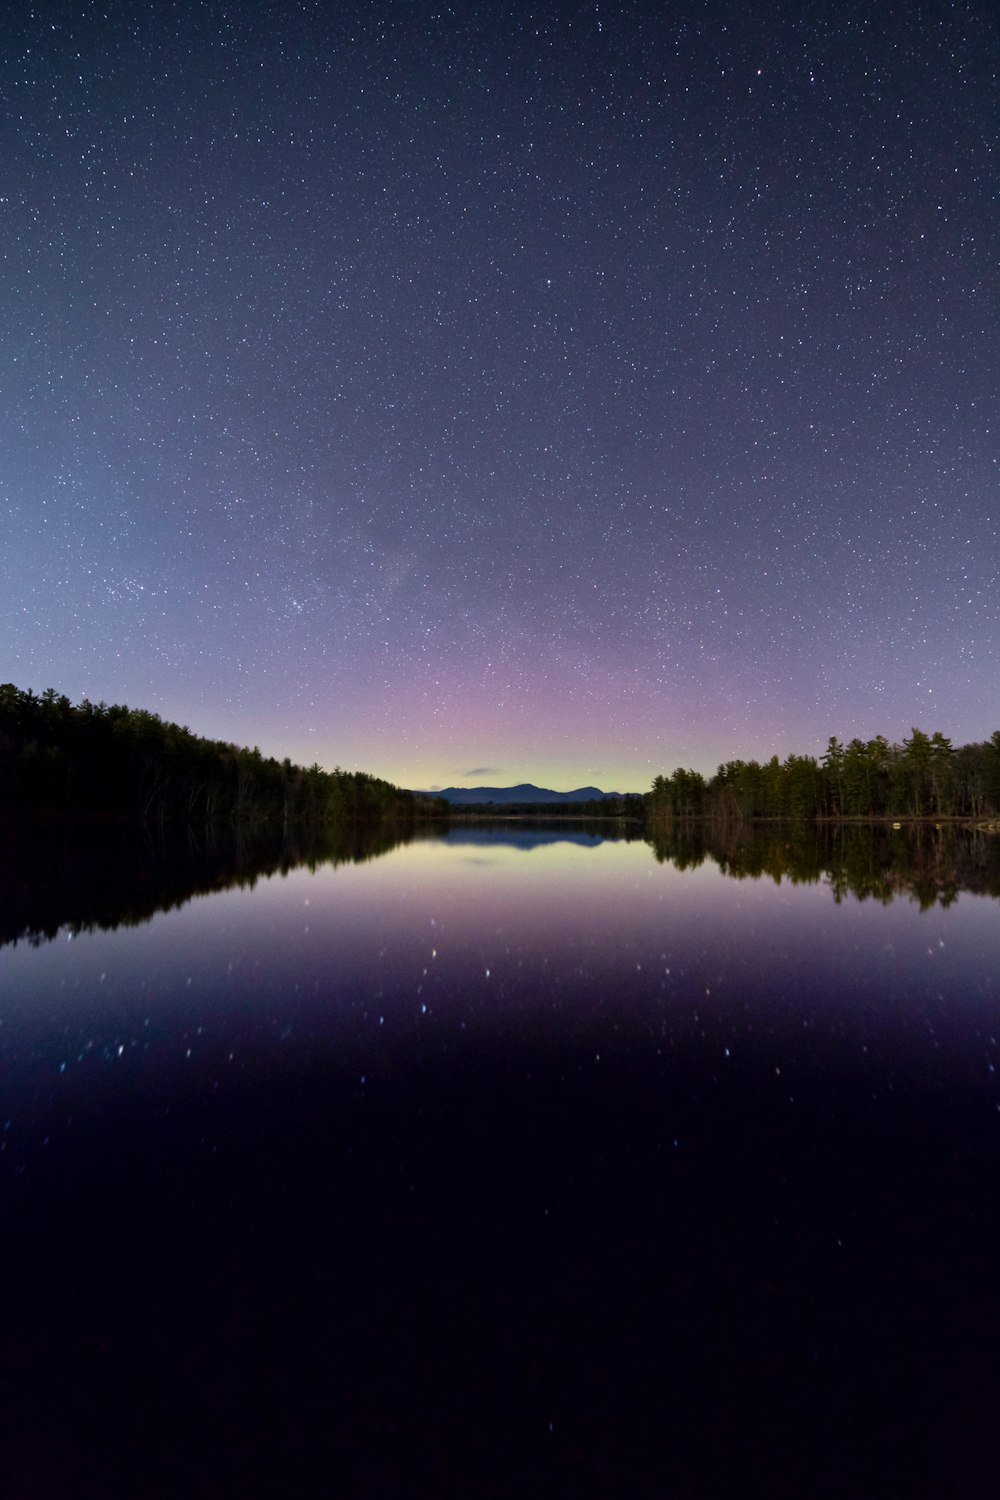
[{"x": 482, "y": 771}]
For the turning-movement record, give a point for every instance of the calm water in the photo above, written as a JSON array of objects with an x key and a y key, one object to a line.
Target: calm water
[{"x": 507, "y": 1163}]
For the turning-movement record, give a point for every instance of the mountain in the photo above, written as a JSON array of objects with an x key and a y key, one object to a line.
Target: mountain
[{"x": 526, "y": 792}]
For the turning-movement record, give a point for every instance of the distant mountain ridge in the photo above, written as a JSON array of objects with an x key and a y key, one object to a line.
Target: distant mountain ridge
[{"x": 525, "y": 792}]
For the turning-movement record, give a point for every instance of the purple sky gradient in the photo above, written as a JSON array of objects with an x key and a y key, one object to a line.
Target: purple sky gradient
[{"x": 490, "y": 394}]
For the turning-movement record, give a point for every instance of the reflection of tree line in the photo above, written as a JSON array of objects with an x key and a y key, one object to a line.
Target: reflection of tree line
[
  {"x": 66, "y": 878},
  {"x": 60, "y": 760},
  {"x": 926, "y": 863},
  {"x": 925, "y": 776}
]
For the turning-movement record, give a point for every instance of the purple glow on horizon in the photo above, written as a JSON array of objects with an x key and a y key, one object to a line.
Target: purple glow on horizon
[{"x": 568, "y": 395}]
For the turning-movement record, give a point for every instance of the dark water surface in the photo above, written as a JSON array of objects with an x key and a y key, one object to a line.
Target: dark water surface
[{"x": 508, "y": 1163}]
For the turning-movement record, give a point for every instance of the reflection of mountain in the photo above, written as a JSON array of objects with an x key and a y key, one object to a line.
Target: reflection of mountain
[
  {"x": 929, "y": 865},
  {"x": 515, "y": 836}
]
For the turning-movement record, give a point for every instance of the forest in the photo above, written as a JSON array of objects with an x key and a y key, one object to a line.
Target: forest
[
  {"x": 924, "y": 777},
  {"x": 59, "y": 761}
]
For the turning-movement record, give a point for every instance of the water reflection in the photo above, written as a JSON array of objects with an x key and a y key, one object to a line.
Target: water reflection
[
  {"x": 88, "y": 880},
  {"x": 592, "y": 1173},
  {"x": 922, "y": 862},
  {"x": 85, "y": 881}
]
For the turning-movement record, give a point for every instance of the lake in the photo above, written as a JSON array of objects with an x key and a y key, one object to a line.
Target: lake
[{"x": 522, "y": 1160}]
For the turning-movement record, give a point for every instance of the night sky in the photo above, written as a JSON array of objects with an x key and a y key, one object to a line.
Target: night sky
[{"x": 488, "y": 393}]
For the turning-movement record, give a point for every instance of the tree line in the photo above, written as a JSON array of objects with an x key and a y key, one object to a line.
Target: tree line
[
  {"x": 925, "y": 776},
  {"x": 631, "y": 807},
  {"x": 60, "y": 760}
]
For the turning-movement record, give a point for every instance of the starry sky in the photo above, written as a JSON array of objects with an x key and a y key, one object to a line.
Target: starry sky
[{"x": 496, "y": 393}]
